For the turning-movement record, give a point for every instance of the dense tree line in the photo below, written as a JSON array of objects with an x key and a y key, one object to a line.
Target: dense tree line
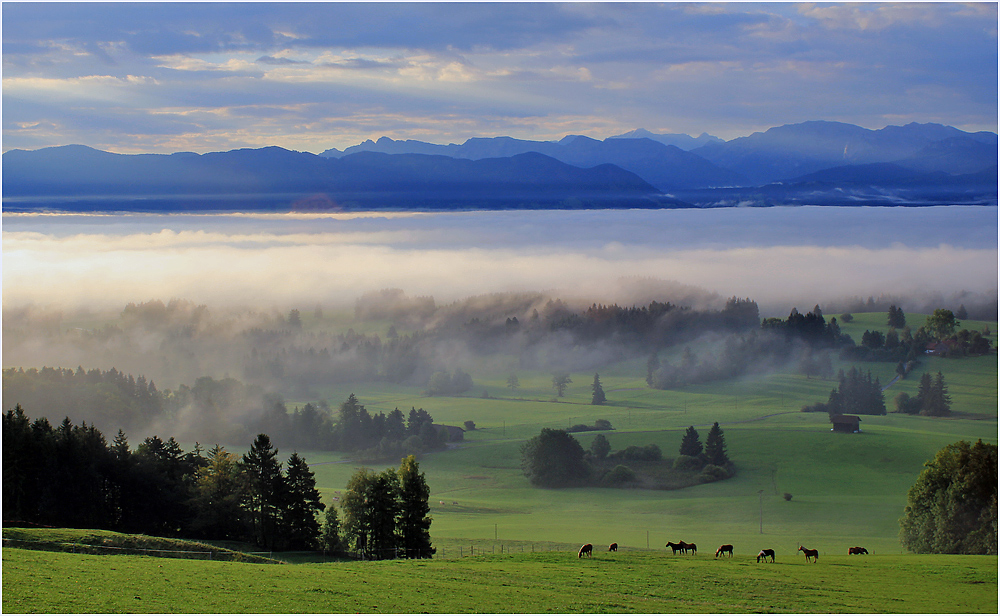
[
  {"x": 224, "y": 410},
  {"x": 952, "y": 507},
  {"x": 110, "y": 397},
  {"x": 857, "y": 394},
  {"x": 70, "y": 476}
]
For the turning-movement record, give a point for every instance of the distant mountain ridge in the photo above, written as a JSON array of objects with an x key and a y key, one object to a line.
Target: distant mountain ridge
[{"x": 819, "y": 162}]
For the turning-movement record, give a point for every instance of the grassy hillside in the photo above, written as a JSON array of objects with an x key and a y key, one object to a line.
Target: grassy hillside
[{"x": 847, "y": 489}]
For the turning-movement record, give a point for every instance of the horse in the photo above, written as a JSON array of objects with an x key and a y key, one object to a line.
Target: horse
[
  {"x": 724, "y": 549},
  {"x": 587, "y": 549},
  {"x": 676, "y": 547},
  {"x": 613, "y": 547},
  {"x": 690, "y": 547},
  {"x": 814, "y": 554},
  {"x": 856, "y": 550},
  {"x": 764, "y": 554}
]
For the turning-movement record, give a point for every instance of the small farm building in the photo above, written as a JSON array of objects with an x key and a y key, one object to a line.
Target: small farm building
[{"x": 846, "y": 423}]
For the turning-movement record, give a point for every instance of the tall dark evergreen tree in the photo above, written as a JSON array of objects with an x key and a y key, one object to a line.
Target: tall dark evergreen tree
[
  {"x": 715, "y": 446},
  {"x": 896, "y": 318},
  {"x": 691, "y": 443},
  {"x": 598, "y": 391},
  {"x": 300, "y": 506},
  {"x": 414, "y": 521},
  {"x": 265, "y": 490},
  {"x": 600, "y": 447}
]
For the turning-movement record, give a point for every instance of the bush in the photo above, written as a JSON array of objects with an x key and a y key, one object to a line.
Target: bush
[
  {"x": 787, "y": 496},
  {"x": 713, "y": 473},
  {"x": 470, "y": 425},
  {"x": 687, "y": 463},
  {"x": 619, "y": 475}
]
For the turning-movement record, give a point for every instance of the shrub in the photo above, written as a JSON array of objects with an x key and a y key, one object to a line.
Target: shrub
[
  {"x": 687, "y": 463},
  {"x": 787, "y": 496},
  {"x": 713, "y": 473},
  {"x": 619, "y": 475}
]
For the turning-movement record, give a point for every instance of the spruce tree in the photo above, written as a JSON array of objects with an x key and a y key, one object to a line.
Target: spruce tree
[
  {"x": 715, "y": 446},
  {"x": 265, "y": 488},
  {"x": 301, "y": 503},
  {"x": 598, "y": 397},
  {"x": 690, "y": 444},
  {"x": 414, "y": 521}
]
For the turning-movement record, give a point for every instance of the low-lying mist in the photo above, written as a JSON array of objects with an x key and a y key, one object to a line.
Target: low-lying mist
[{"x": 287, "y": 305}]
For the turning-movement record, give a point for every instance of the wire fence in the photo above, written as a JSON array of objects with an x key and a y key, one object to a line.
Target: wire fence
[{"x": 86, "y": 548}]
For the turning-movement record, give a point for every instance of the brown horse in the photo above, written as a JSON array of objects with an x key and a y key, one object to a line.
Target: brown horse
[
  {"x": 724, "y": 549},
  {"x": 613, "y": 547},
  {"x": 856, "y": 550},
  {"x": 763, "y": 554},
  {"x": 814, "y": 554},
  {"x": 676, "y": 547},
  {"x": 587, "y": 549},
  {"x": 690, "y": 547}
]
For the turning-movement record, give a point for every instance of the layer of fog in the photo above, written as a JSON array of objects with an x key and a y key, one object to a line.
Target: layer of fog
[{"x": 778, "y": 256}]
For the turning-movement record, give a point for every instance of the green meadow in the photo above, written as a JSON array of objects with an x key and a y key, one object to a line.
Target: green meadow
[
  {"x": 846, "y": 490},
  {"x": 557, "y": 582}
]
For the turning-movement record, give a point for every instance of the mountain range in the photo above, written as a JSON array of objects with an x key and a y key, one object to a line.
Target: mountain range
[{"x": 817, "y": 162}]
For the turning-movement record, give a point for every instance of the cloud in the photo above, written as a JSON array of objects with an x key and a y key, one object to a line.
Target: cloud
[
  {"x": 302, "y": 260},
  {"x": 447, "y": 72}
]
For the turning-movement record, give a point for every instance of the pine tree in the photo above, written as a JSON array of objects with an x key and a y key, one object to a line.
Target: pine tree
[
  {"x": 598, "y": 397},
  {"x": 300, "y": 505},
  {"x": 265, "y": 487},
  {"x": 690, "y": 444},
  {"x": 715, "y": 446},
  {"x": 414, "y": 521}
]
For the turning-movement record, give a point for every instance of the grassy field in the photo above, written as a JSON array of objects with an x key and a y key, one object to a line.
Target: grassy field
[
  {"x": 847, "y": 490},
  {"x": 559, "y": 582}
]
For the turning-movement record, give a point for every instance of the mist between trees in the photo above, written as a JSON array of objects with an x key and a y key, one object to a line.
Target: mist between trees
[{"x": 223, "y": 377}]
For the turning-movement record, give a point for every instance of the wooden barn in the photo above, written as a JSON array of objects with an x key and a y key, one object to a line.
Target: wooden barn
[{"x": 846, "y": 423}]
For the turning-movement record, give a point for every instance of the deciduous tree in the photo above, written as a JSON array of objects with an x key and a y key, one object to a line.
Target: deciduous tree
[{"x": 952, "y": 508}]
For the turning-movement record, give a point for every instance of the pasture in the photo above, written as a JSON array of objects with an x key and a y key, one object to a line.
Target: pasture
[
  {"x": 557, "y": 582},
  {"x": 847, "y": 489}
]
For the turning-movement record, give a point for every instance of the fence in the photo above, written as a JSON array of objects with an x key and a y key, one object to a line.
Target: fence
[{"x": 86, "y": 548}]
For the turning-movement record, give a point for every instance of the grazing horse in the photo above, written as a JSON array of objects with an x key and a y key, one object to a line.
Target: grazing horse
[
  {"x": 690, "y": 547},
  {"x": 856, "y": 551},
  {"x": 613, "y": 547},
  {"x": 814, "y": 554},
  {"x": 764, "y": 554},
  {"x": 587, "y": 549},
  {"x": 723, "y": 549},
  {"x": 676, "y": 547}
]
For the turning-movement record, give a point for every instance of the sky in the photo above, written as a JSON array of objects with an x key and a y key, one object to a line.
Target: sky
[{"x": 203, "y": 77}]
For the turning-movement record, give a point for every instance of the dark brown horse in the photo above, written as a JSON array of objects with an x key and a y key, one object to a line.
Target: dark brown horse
[
  {"x": 814, "y": 554},
  {"x": 613, "y": 547},
  {"x": 856, "y": 550},
  {"x": 676, "y": 547},
  {"x": 690, "y": 547},
  {"x": 587, "y": 549},
  {"x": 763, "y": 554},
  {"x": 724, "y": 549}
]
